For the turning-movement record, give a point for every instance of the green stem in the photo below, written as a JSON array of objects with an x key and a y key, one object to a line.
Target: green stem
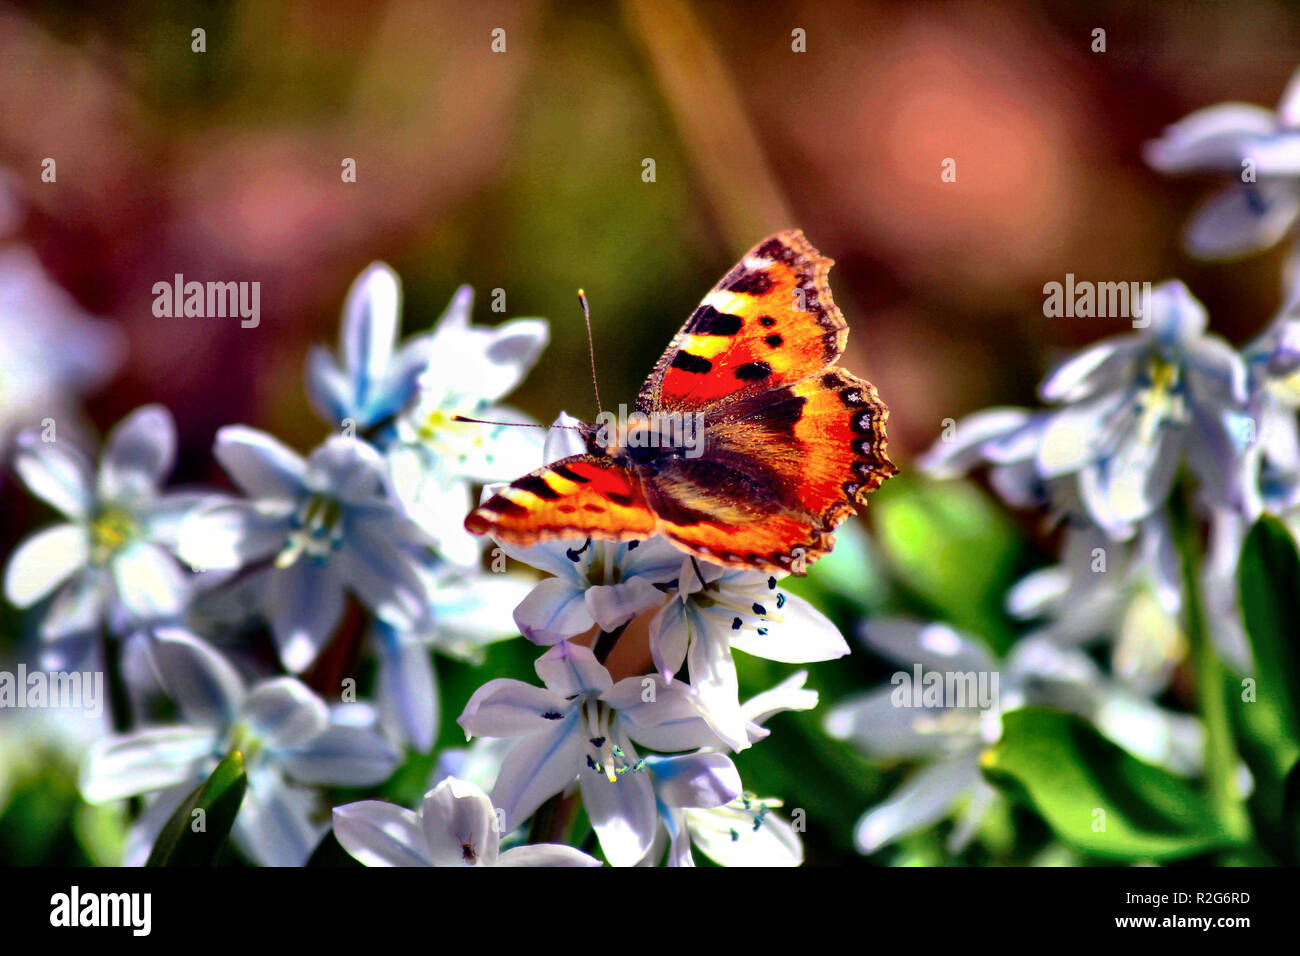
[
  {"x": 553, "y": 819},
  {"x": 1221, "y": 759},
  {"x": 118, "y": 703}
]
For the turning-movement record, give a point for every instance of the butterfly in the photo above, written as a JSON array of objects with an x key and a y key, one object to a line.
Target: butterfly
[{"x": 790, "y": 441}]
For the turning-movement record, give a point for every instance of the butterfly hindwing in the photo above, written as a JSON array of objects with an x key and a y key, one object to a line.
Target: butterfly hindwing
[
  {"x": 770, "y": 322},
  {"x": 781, "y": 470},
  {"x": 581, "y": 496}
]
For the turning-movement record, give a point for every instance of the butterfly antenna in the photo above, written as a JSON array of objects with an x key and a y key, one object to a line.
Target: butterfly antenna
[
  {"x": 591, "y": 348},
  {"x": 484, "y": 421}
]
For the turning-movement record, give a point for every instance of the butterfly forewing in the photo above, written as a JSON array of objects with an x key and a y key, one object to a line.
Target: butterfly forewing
[
  {"x": 582, "y": 496},
  {"x": 770, "y": 322}
]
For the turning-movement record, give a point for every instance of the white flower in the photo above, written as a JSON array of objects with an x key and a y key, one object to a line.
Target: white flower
[
  {"x": 312, "y": 528},
  {"x": 1007, "y": 440},
  {"x": 1260, "y": 150},
  {"x": 744, "y": 832},
  {"x": 283, "y": 729},
  {"x": 434, "y": 458},
  {"x": 1136, "y": 407},
  {"x": 582, "y": 726},
  {"x": 372, "y": 379},
  {"x": 1128, "y": 592},
  {"x": 947, "y": 737},
  {"x": 716, "y": 610},
  {"x": 700, "y": 800},
  {"x": 594, "y": 584},
  {"x": 112, "y": 563},
  {"x": 456, "y": 826}
]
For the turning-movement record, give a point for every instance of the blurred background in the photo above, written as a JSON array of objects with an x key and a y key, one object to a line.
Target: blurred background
[{"x": 522, "y": 171}]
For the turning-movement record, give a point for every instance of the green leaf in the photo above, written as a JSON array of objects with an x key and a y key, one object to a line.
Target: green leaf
[
  {"x": 1066, "y": 771},
  {"x": 950, "y": 546},
  {"x": 183, "y": 842},
  {"x": 1268, "y": 726},
  {"x": 1269, "y": 576}
]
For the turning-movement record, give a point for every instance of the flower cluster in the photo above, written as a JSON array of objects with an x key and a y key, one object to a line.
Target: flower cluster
[
  {"x": 1147, "y": 443},
  {"x": 176, "y": 593}
]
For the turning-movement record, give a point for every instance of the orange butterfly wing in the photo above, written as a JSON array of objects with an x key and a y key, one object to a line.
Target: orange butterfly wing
[
  {"x": 771, "y": 321},
  {"x": 791, "y": 442},
  {"x": 586, "y": 495}
]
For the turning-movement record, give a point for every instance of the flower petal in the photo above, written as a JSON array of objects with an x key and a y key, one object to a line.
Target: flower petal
[
  {"x": 152, "y": 759},
  {"x": 804, "y": 635},
  {"x": 1099, "y": 368},
  {"x": 260, "y": 465},
  {"x": 569, "y": 669},
  {"x": 460, "y": 825},
  {"x": 622, "y": 813},
  {"x": 932, "y": 645},
  {"x": 742, "y": 834},
  {"x": 149, "y": 581},
  {"x": 1214, "y": 139},
  {"x": 696, "y": 780},
  {"x": 341, "y": 756},
  {"x": 138, "y": 455},
  {"x": 537, "y": 767},
  {"x": 369, "y": 331},
  {"x": 44, "y": 561},
  {"x": 275, "y": 826},
  {"x": 232, "y": 534},
  {"x": 1244, "y": 218},
  {"x": 328, "y": 388},
  {"x": 408, "y": 690},
  {"x": 612, "y": 606},
  {"x": 203, "y": 684},
  {"x": 283, "y": 712},
  {"x": 546, "y": 854},
  {"x": 505, "y": 707},
  {"x": 952, "y": 458},
  {"x": 924, "y": 798},
  {"x": 57, "y": 473},
  {"x": 381, "y": 834},
  {"x": 304, "y": 602}
]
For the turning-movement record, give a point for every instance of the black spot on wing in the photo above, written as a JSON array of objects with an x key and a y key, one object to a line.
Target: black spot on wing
[
  {"x": 774, "y": 340},
  {"x": 709, "y": 321},
  {"x": 766, "y": 321},
  {"x": 749, "y": 282},
  {"x": 564, "y": 471},
  {"x": 504, "y": 506},
  {"x": 695, "y": 364},
  {"x": 536, "y": 485},
  {"x": 774, "y": 248},
  {"x": 753, "y": 371}
]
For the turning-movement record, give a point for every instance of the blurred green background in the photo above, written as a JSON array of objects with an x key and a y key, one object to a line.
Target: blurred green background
[{"x": 522, "y": 171}]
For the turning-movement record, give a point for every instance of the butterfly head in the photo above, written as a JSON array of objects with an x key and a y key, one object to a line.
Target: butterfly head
[{"x": 639, "y": 440}]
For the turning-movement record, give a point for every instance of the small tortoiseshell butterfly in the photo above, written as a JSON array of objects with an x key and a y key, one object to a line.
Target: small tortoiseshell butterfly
[{"x": 790, "y": 442}]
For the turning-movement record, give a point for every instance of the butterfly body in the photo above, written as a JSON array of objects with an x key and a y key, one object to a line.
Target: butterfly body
[{"x": 747, "y": 445}]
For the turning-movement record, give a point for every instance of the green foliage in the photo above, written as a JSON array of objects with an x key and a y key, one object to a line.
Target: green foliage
[
  {"x": 183, "y": 841},
  {"x": 1265, "y": 705},
  {"x": 1097, "y": 798},
  {"x": 953, "y": 549}
]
